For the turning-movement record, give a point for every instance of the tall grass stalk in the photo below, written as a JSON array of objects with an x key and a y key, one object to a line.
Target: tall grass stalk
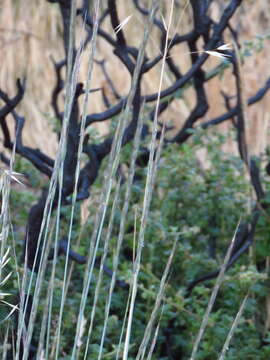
[
  {"x": 5, "y": 191},
  {"x": 154, "y": 340},
  {"x": 108, "y": 181},
  {"x": 5, "y": 183},
  {"x": 232, "y": 329},
  {"x": 46, "y": 312},
  {"x": 22, "y": 299},
  {"x": 213, "y": 297},
  {"x": 5, "y": 344},
  {"x": 148, "y": 190},
  {"x": 80, "y": 148},
  {"x": 44, "y": 323},
  {"x": 119, "y": 347},
  {"x": 57, "y": 176},
  {"x": 36, "y": 296},
  {"x": 135, "y": 150},
  {"x": 153, "y": 317},
  {"x": 102, "y": 263}
]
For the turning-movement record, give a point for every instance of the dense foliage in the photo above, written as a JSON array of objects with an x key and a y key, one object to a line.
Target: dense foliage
[{"x": 200, "y": 203}]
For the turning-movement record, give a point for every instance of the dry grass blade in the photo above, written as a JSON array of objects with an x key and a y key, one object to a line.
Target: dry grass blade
[
  {"x": 159, "y": 297},
  {"x": 113, "y": 163},
  {"x": 154, "y": 341},
  {"x": 164, "y": 22},
  {"x": 217, "y": 54},
  {"x": 77, "y": 170},
  {"x": 5, "y": 279},
  {"x": 233, "y": 328},
  {"x": 119, "y": 348},
  {"x": 152, "y": 164},
  {"x": 102, "y": 264},
  {"x": 3, "y": 262},
  {"x": 122, "y": 24},
  {"x": 213, "y": 297},
  {"x": 225, "y": 47},
  {"x": 5, "y": 344},
  {"x": 13, "y": 174},
  {"x": 5, "y": 259},
  {"x": 124, "y": 213},
  {"x": 13, "y": 307}
]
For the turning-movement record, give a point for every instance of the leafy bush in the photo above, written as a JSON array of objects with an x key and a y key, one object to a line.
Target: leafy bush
[{"x": 199, "y": 201}]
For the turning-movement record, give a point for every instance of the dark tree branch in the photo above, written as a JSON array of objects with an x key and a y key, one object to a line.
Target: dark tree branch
[
  {"x": 59, "y": 85},
  {"x": 218, "y": 30},
  {"x": 244, "y": 238},
  {"x": 102, "y": 64},
  {"x": 79, "y": 259},
  {"x": 73, "y": 139},
  {"x": 12, "y": 103},
  {"x": 107, "y": 114},
  {"x": 120, "y": 49},
  {"x": 121, "y": 41},
  {"x": 215, "y": 38},
  {"x": 233, "y": 112},
  {"x": 251, "y": 165},
  {"x": 202, "y": 28},
  {"x": 41, "y": 161}
]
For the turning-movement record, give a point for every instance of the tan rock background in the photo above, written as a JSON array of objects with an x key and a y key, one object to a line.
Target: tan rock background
[{"x": 30, "y": 32}]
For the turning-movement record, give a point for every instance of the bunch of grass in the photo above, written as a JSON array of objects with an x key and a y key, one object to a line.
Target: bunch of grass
[{"x": 31, "y": 285}]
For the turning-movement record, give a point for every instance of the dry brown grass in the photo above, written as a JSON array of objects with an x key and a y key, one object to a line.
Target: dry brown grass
[{"x": 30, "y": 33}]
